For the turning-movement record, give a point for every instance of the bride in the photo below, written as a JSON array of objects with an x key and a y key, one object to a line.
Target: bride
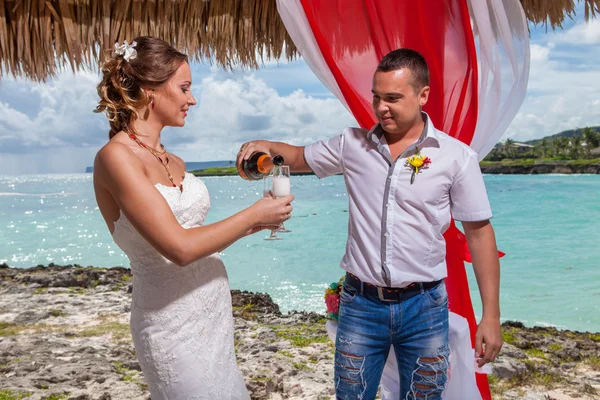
[{"x": 181, "y": 316}]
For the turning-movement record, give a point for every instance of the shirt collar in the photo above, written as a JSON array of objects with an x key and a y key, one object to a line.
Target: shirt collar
[{"x": 429, "y": 131}]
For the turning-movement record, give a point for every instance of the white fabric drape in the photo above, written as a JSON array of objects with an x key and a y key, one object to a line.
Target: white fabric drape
[
  {"x": 502, "y": 42},
  {"x": 297, "y": 25}
]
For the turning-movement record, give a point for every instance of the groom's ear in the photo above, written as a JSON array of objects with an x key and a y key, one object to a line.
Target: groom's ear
[{"x": 424, "y": 95}]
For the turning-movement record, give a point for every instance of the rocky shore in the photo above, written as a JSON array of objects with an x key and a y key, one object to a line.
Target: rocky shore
[
  {"x": 64, "y": 334},
  {"x": 539, "y": 168}
]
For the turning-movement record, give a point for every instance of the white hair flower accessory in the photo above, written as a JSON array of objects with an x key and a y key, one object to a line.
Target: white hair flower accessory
[{"x": 126, "y": 50}]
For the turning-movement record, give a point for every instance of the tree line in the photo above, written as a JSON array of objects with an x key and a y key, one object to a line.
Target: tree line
[{"x": 575, "y": 147}]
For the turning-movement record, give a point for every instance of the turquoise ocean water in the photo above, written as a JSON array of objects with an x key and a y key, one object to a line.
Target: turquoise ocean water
[{"x": 549, "y": 226}]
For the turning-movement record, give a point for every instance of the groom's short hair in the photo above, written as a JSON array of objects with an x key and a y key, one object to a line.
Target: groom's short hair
[{"x": 409, "y": 59}]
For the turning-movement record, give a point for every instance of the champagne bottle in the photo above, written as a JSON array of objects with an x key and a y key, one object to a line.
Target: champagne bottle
[{"x": 258, "y": 166}]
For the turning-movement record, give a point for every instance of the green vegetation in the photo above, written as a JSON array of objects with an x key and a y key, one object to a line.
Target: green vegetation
[
  {"x": 535, "y": 378},
  {"x": 219, "y": 171},
  {"x": 120, "y": 332},
  {"x": 508, "y": 162},
  {"x": 227, "y": 171},
  {"x": 71, "y": 290},
  {"x": 508, "y": 336},
  {"x": 530, "y": 162},
  {"x": 57, "y": 313},
  {"x": 313, "y": 359},
  {"x": 11, "y": 361},
  {"x": 13, "y": 329},
  {"x": 593, "y": 362},
  {"x": 57, "y": 396},
  {"x": 260, "y": 378},
  {"x": 126, "y": 374},
  {"x": 285, "y": 353},
  {"x": 496, "y": 386},
  {"x": 594, "y": 336},
  {"x": 537, "y": 353},
  {"x": 589, "y": 389},
  {"x": 7, "y": 394},
  {"x": 577, "y": 145},
  {"x": 246, "y": 311},
  {"x": 10, "y": 329},
  {"x": 302, "y": 366},
  {"x": 303, "y": 334},
  {"x": 555, "y": 347}
]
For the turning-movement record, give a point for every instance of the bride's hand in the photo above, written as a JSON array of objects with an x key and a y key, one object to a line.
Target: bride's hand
[
  {"x": 270, "y": 211},
  {"x": 259, "y": 228}
]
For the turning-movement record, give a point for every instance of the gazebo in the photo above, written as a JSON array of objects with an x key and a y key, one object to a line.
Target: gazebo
[{"x": 38, "y": 37}]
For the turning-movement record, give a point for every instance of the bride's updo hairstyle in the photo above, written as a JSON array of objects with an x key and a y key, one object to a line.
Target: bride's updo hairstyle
[{"x": 147, "y": 63}]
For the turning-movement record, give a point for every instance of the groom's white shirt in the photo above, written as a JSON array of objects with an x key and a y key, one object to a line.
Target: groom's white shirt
[{"x": 395, "y": 228}]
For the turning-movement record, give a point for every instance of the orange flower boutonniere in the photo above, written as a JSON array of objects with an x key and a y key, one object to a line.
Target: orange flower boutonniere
[{"x": 417, "y": 162}]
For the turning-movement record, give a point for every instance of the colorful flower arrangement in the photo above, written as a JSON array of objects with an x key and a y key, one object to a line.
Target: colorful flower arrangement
[
  {"x": 417, "y": 162},
  {"x": 332, "y": 298}
]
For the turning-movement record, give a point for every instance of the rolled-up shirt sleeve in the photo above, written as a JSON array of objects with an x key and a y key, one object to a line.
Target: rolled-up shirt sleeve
[
  {"x": 325, "y": 157},
  {"x": 468, "y": 196}
]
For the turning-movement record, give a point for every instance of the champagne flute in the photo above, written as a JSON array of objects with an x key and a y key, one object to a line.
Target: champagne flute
[
  {"x": 279, "y": 184},
  {"x": 268, "y": 185},
  {"x": 282, "y": 187}
]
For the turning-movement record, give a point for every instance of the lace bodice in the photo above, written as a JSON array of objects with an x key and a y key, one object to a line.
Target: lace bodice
[{"x": 189, "y": 206}]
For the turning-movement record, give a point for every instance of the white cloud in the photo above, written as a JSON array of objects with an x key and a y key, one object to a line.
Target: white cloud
[
  {"x": 42, "y": 126},
  {"x": 582, "y": 33},
  {"x": 233, "y": 111},
  {"x": 564, "y": 84},
  {"x": 539, "y": 54},
  {"x": 55, "y": 114}
]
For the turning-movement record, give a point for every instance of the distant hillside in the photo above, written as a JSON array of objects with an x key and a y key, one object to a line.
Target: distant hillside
[
  {"x": 569, "y": 133},
  {"x": 196, "y": 165}
]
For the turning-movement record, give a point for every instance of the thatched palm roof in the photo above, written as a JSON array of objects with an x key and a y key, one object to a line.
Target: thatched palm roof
[{"x": 37, "y": 37}]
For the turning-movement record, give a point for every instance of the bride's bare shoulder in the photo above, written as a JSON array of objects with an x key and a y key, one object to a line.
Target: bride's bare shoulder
[{"x": 115, "y": 157}]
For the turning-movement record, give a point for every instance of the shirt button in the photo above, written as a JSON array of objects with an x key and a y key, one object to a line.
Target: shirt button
[{"x": 385, "y": 234}]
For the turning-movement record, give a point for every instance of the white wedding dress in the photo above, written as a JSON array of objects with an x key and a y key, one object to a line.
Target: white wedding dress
[{"x": 181, "y": 317}]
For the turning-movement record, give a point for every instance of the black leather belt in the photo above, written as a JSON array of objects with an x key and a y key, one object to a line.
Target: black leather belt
[{"x": 388, "y": 293}]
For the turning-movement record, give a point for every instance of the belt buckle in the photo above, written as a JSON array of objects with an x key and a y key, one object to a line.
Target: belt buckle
[{"x": 380, "y": 294}]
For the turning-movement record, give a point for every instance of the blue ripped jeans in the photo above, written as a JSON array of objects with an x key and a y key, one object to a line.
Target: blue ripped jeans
[{"x": 418, "y": 330}]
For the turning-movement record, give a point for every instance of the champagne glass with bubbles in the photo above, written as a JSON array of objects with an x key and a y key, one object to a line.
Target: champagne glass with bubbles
[{"x": 279, "y": 184}]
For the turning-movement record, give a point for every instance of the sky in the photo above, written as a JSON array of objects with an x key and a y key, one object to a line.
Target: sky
[{"x": 50, "y": 127}]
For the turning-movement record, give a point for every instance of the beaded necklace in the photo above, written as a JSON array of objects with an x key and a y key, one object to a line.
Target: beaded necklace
[{"x": 157, "y": 154}]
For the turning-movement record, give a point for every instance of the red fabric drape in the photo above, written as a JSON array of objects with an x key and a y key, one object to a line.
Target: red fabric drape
[{"x": 353, "y": 36}]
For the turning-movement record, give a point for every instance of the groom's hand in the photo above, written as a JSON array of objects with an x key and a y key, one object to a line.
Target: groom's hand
[
  {"x": 488, "y": 341},
  {"x": 248, "y": 148}
]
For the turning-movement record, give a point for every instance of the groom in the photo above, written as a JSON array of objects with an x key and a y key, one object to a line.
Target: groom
[{"x": 405, "y": 180}]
